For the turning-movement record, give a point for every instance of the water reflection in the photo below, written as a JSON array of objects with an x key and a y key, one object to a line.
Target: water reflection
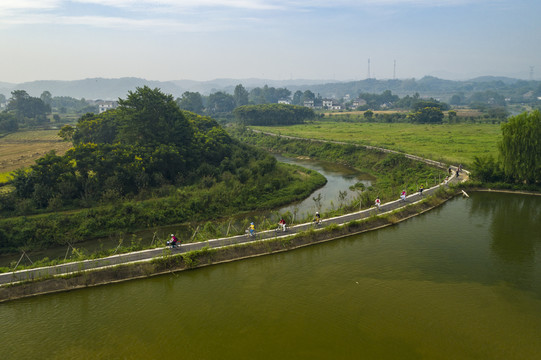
[
  {"x": 436, "y": 286},
  {"x": 515, "y": 235},
  {"x": 339, "y": 179}
]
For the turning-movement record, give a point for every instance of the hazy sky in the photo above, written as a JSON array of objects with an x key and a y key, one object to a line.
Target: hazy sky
[{"x": 272, "y": 39}]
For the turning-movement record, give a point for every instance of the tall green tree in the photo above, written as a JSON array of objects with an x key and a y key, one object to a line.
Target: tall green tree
[
  {"x": 297, "y": 97},
  {"x": 8, "y": 123},
  {"x": 520, "y": 148},
  {"x": 150, "y": 117},
  {"x": 307, "y": 95},
  {"x": 25, "y": 106},
  {"x": 191, "y": 101},
  {"x": 220, "y": 102},
  {"x": 46, "y": 97},
  {"x": 240, "y": 95},
  {"x": 427, "y": 115},
  {"x": 273, "y": 114}
]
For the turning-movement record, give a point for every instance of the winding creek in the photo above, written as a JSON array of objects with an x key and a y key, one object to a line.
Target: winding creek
[
  {"x": 339, "y": 178},
  {"x": 461, "y": 281}
]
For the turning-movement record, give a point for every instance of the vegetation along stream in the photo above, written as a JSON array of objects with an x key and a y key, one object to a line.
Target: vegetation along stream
[
  {"x": 461, "y": 281},
  {"x": 339, "y": 179}
]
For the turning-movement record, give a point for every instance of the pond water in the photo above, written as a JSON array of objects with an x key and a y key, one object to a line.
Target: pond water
[{"x": 462, "y": 281}]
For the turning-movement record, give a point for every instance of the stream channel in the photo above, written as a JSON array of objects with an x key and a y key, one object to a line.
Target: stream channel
[{"x": 339, "y": 179}]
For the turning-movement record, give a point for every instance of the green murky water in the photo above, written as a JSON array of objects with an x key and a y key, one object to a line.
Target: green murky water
[{"x": 460, "y": 282}]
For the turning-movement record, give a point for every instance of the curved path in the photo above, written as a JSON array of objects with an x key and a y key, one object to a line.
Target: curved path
[
  {"x": 409, "y": 156},
  {"x": 147, "y": 255}
]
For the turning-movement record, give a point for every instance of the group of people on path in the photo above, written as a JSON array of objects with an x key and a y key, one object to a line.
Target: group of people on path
[
  {"x": 403, "y": 196},
  {"x": 317, "y": 218}
]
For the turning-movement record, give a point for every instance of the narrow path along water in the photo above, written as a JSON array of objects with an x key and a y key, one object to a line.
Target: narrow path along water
[
  {"x": 339, "y": 178},
  {"x": 145, "y": 255}
]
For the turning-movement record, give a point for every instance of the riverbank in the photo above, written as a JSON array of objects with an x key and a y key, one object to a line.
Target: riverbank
[{"x": 205, "y": 256}]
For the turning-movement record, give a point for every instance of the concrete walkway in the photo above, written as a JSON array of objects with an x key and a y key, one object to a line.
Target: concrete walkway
[{"x": 147, "y": 255}]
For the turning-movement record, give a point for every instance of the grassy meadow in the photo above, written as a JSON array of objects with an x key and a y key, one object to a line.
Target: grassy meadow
[{"x": 450, "y": 143}]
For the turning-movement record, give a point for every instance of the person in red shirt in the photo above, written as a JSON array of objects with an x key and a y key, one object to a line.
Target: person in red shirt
[
  {"x": 282, "y": 223},
  {"x": 173, "y": 242}
]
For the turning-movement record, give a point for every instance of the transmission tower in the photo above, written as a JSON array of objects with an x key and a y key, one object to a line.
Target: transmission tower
[
  {"x": 531, "y": 73},
  {"x": 394, "y": 70},
  {"x": 368, "y": 75}
]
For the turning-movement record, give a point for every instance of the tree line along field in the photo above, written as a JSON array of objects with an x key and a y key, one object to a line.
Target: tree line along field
[
  {"x": 21, "y": 149},
  {"x": 449, "y": 143},
  {"x": 460, "y": 113}
]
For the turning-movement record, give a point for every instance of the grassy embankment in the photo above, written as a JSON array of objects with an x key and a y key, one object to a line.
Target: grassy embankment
[
  {"x": 209, "y": 256},
  {"x": 449, "y": 143},
  {"x": 192, "y": 203},
  {"x": 393, "y": 172}
]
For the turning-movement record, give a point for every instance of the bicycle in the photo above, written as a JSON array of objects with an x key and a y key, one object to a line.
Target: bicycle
[
  {"x": 279, "y": 229},
  {"x": 250, "y": 234}
]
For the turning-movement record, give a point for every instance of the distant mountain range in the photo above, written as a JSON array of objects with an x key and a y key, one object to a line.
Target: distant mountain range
[{"x": 112, "y": 89}]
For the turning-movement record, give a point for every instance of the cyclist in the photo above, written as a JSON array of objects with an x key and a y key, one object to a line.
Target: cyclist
[
  {"x": 403, "y": 195},
  {"x": 378, "y": 202},
  {"x": 173, "y": 242},
  {"x": 282, "y": 224}
]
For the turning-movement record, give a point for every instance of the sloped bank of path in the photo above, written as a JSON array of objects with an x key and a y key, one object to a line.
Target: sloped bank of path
[{"x": 157, "y": 261}]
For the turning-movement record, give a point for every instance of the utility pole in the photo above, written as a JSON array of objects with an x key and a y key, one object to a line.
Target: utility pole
[
  {"x": 394, "y": 70},
  {"x": 368, "y": 75}
]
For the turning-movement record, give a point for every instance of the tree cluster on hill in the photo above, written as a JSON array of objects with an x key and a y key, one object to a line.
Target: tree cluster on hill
[
  {"x": 146, "y": 142},
  {"x": 272, "y": 114},
  {"x": 24, "y": 110},
  {"x": 221, "y": 103}
]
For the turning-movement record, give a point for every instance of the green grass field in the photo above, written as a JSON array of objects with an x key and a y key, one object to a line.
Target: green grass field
[{"x": 453, "y": 144}]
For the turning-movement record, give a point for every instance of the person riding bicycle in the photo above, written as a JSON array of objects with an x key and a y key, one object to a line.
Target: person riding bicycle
[
  {"x": 403, "y": 195},
  {"x": 282, "y": 224},
  {"x": 378, "y": 202},
  {"x": 173, "y": 242}
]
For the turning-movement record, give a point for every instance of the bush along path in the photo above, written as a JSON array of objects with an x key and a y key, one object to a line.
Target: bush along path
[{"x": 37, "y": 274}]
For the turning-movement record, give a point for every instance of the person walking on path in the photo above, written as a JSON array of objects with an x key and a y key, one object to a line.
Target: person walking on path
[
  {"x": 421, "y": 188},
  {"x": 403, "y": 195},
  {"x": 378, "y": 202}
]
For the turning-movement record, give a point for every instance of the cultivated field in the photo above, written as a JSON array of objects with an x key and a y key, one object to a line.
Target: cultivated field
[
  {"x": 21, "y": 149},
  {"x": 453, "y": 144}
]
